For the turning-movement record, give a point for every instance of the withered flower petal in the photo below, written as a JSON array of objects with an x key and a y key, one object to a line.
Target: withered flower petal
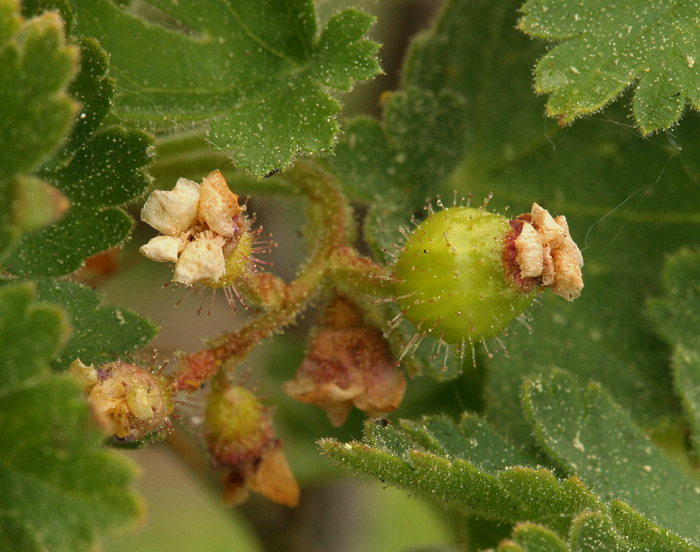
[{"x": 348, "y": 363}]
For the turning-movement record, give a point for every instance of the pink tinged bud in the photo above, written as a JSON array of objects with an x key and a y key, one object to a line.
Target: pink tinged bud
[{"x": 348, "y": 363}]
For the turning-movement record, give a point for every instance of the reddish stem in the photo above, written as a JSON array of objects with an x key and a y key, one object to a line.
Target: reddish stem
[{"x": 332, "y": 228}]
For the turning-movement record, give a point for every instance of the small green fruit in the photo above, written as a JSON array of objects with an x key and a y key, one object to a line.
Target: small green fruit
[{"x": 452, "y": 281}]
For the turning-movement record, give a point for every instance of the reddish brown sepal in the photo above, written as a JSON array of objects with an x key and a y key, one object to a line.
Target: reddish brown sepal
[{"x": 509, "y": 256}]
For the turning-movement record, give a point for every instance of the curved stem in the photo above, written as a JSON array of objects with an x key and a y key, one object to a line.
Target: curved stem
[{"x": 331, "y": 229}]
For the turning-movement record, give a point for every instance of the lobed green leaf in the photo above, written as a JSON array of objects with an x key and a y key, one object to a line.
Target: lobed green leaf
[
  {"x": 590, "y": 532},
  {"x": 95, "y": 92},
  {"x": 474, "y": 440},
  {"x": 94, "y": 171},
  {"x": 459, "y": 101},
  {"x": 643, "y": 533},
  {"x": 106, "y": 171},
  {"x": 31, "y": 334},
  {"x": 416, "y": 458},
  {"x": 593, "y": 531},
  {"x": 606, "y": 48},
  {"x": 9, "y": 20},
  {"x": 341, "y": 56},
  {"x": 35, "y": 112},
  {"x": 255, "y": 70},
  {"x": 469, "y": 466},
  {"x": 59, "y": 487},
  {"x": 32, "y": 8},
  {"x": 529, "y": 537}
]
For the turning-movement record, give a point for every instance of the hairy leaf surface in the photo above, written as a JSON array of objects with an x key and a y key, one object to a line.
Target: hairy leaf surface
[
  {"x": 471, "y": 474},
  {"x": 472, "y": 466},
  {"x": 588, "y": 434},
  {"x": 528, "y": 537},
  {"x": 35, "y": 111},
  {"x": 104, "y": 333},
  {"x": 606, "y": 48},
  {"x": 95, "y": 171},
  {"x": 256, "y": 70}
]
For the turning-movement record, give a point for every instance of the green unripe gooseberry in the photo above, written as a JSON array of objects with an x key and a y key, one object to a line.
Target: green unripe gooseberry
[{"x": 452, "y": 278}]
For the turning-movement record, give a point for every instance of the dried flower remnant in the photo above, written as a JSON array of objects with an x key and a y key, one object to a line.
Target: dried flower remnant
[
  {"x": 241, "y": 439},
  {"x": 127, "y": 400},
  {"x": 348, "y": 363},
  {"x": 545, "y": 253},
  {"x": 205, "y": 233}
]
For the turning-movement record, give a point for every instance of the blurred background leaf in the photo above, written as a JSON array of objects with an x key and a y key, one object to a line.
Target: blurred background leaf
[
  {"x": 677, "y": 317},
  {"x": 36, "y": 113}
]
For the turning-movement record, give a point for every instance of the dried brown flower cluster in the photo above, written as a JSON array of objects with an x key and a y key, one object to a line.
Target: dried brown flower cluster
[
  {"x": 348, "y": 363},
  {"x": 546, "y": 253}
]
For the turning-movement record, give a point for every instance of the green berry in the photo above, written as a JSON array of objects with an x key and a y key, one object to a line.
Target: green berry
[{"x": 452, "y": 280}]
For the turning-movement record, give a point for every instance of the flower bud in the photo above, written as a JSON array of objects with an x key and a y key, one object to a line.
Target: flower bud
[
  {"x": 348, "y": 362},
  {"x": 127, "y": 401},
  {"x": 241, "y": 439}
]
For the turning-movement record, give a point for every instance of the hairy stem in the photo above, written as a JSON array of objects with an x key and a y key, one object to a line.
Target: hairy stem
[{"x": 331, "y": 230}]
